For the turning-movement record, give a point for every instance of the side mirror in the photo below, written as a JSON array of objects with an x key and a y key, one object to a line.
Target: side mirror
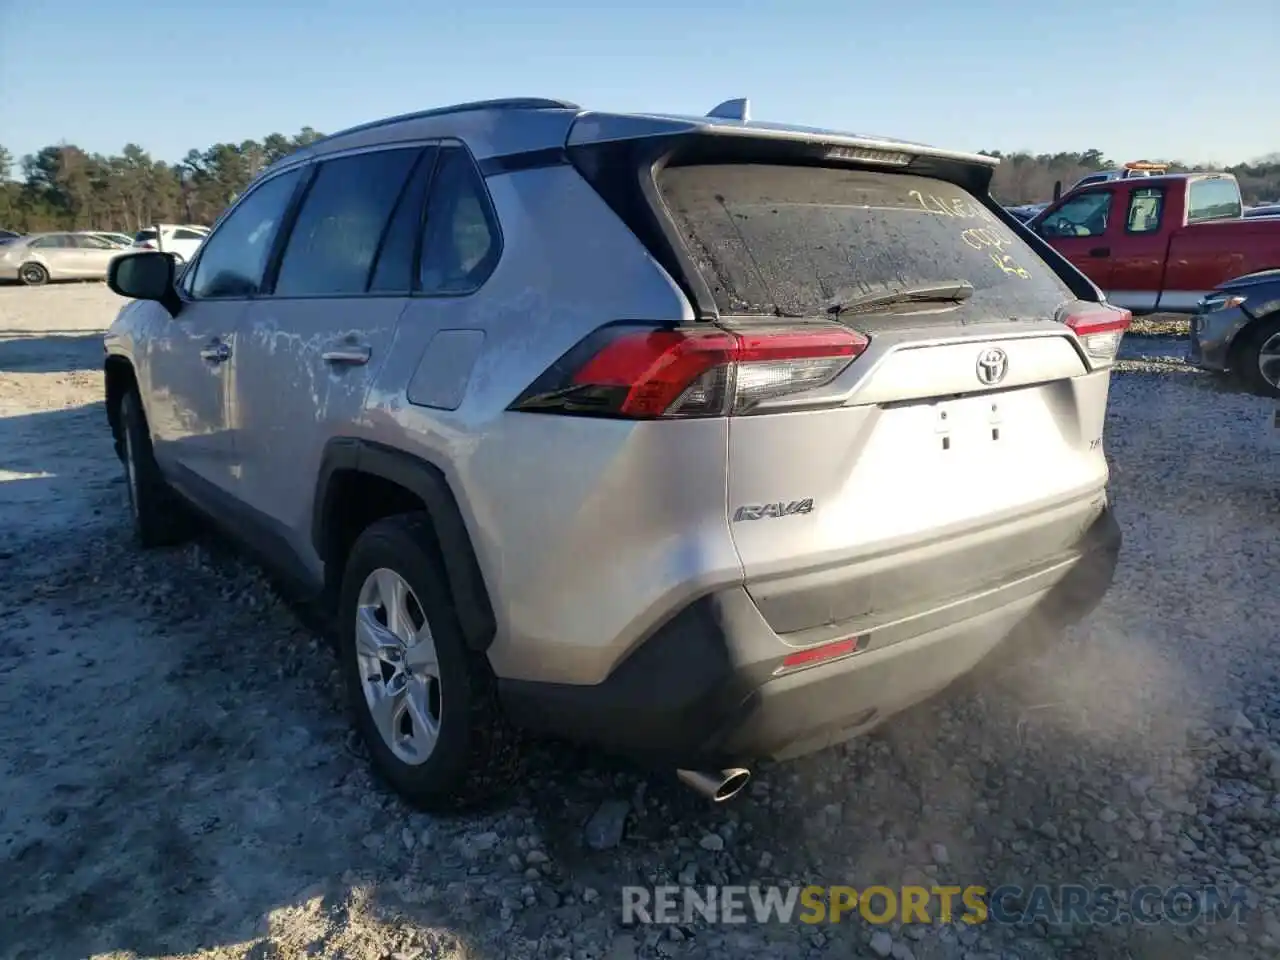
[
  {"x": 1057, "y": 190},
  {"x": 145, "y": 276}
]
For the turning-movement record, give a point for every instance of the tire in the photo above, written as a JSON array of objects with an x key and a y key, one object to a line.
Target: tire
[
  {"x": 33, "y": 274},
  {"x": 1264, "y": 333},
  {"x": 159, "y": 517},
  {"x": 474, "y": 755}
]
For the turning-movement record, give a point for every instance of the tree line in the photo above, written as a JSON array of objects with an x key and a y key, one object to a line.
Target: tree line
[
  {"x": 1029, "y": 178},
  {"x": 63, "y": 187}
]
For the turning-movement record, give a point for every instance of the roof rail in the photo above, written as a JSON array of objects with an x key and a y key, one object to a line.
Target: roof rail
[
  {"x": 739, "y": 109},
  {"x": 508, "y": 103}
]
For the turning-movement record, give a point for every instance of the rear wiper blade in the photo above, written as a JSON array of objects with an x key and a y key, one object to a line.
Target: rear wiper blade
[{"x": 942, "y": 291}]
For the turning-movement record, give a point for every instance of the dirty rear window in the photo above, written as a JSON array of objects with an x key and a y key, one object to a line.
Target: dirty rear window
[{"x": 793, "y": 241}]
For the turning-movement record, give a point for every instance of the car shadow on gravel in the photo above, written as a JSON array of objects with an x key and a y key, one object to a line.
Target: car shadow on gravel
[
  {"x": 63, "y": 352},
  {"x": 178, "y": 774},
  {"x": 56, "y": 442},
  {"x": 208, "y": 794}
]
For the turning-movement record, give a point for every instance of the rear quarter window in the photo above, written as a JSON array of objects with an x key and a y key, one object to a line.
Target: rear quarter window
[
  {"x": 794, "y": 241},
  {"x": 1213, "y": 200}
]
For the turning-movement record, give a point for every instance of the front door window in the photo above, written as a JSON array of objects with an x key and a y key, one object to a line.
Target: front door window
[{"x": 1082, "y": 216}]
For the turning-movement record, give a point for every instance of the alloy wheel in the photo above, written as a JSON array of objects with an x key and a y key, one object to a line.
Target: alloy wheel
[
  {"x": 1269, "y": 360},
  {"x": 399, "y": 670}
]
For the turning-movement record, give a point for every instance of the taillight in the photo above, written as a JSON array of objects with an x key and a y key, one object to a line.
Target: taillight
[
  {"x": 147, "y": 245},
  {"x": 647, "y": 373},
  {"x": 1100, "y": 328}
]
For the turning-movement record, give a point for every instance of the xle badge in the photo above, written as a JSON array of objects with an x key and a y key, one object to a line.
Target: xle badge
[{"x": 779, "y": 509}]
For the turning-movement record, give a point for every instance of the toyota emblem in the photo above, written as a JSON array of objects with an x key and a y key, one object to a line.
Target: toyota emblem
[{"x": 993, "y": 364}]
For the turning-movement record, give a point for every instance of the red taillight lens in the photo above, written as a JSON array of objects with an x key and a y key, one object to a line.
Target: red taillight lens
[
  {"x": 1099, "y": 327},
  {"x": 147, "y": 245},
  {"x": 652, "y": 373},
  {"x": 827, "y": 651}
]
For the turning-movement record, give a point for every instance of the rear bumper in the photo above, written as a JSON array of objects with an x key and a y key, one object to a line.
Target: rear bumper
[{"x": 704, "y": 691}]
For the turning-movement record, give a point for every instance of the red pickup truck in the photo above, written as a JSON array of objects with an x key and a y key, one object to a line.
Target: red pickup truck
[{"x": 1159, "y": 244}]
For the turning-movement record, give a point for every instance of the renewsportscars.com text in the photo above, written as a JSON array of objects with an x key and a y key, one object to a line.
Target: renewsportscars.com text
[{"x": 1007, "y": 904}]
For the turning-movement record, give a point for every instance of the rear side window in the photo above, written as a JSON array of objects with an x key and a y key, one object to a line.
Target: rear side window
[
  {"x": 1212, "y": 200},
  {"x": 461, "y": 245},
  {"x": 86, "y": 242},
  {"x": 335, "y": 238},
  {"x": 796, "y": 241},
  {"x": 1146, "y": 206},
  {"x": 56, "y": 242},
  {"x": 233, "y": 260}
]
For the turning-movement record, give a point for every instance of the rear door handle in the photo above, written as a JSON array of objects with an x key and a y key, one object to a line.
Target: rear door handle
[
  {"x": 352, "y": 354},
  {"x": 216, "y": 353},
  {"x": 1100, "y": 252}
]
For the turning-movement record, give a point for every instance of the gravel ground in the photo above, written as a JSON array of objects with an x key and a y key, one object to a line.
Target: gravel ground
[{"x": 177, "y": 779}]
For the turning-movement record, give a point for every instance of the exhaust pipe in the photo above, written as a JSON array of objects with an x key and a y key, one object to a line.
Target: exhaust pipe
[{"x": 716, "y": 785}]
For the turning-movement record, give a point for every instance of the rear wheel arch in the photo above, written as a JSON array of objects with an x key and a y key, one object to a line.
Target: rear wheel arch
[{"x": 361, "y": 482}]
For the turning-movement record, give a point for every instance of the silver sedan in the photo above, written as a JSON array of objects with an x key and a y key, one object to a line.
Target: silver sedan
[
  {"x": 41, "y": 257},
  {"x": 1236, "y": 330}
]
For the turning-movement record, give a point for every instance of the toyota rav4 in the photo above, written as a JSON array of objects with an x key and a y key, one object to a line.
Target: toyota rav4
[{"x": 699, "y": 439}]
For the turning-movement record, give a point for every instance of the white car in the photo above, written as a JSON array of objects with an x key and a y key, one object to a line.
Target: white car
[{"x": 179, "y": 239}]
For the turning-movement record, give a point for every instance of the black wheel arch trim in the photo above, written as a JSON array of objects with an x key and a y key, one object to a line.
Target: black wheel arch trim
[
  {"x": 113, "y": 359},
  {"x": 426, "y": 481}
]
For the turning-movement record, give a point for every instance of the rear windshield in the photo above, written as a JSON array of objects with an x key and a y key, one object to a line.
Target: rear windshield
[
  {"x": 794, "y": 241},
  {"x": 143, "y": 235}
]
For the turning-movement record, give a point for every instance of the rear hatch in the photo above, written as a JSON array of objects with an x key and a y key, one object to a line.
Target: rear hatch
[{"x": 970, "y": 413}]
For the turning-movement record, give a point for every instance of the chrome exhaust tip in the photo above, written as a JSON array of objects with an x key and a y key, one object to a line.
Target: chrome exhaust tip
[{"x": 716, "y": 785}]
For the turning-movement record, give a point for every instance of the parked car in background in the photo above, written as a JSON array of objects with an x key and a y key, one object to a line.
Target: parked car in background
[
  {"x": 181, "y": 240},
  {"x": 1263, "y": 210},
  {"x": 1026, "y": 211},
  {"x": 1137, "y": 168},
  {"x": 1236, "y": 330},
  {"x": 703, "y": 440},
  {"x": 1160, "y": 243},
  {"x": 41, "y": 257},
  {"x": 7, "y": 235}
]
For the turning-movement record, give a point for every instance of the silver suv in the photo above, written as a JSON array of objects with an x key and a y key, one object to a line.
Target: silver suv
[{"x": 699, "y": 439}]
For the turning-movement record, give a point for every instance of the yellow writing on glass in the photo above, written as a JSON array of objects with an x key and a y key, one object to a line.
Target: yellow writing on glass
[
  {"x": 1007, "y": 264},
  {"x": 979, "y": 238}
]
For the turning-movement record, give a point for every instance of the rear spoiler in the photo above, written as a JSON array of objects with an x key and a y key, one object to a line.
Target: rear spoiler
[{"x": 732, "y": 119}]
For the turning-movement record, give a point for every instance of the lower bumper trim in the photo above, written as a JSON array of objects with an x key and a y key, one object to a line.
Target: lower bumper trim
[{"x": 698, "y": 694}]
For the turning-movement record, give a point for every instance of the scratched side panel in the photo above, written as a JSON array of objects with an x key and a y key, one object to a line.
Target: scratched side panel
[{"x": 291, "y": 401}]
